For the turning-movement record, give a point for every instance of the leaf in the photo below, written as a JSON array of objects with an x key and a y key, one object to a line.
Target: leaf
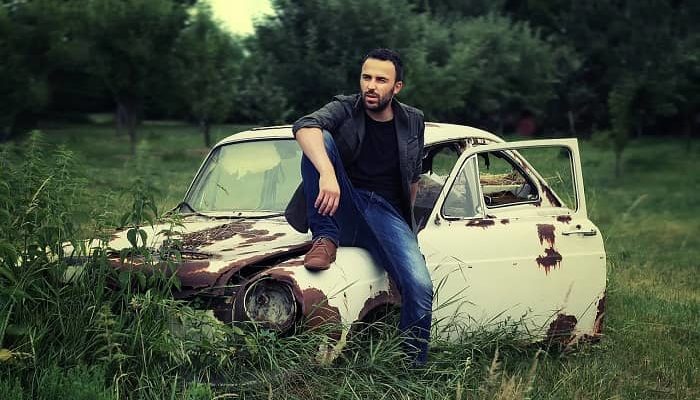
[
  {"x": 124, "y": 278},
  {"x": 131, "y": 236},
  {"x": 5, "y": 355},
  {"x": 125, "y": 218},
  {"x": 141, "y": 278},
  {"x": 143, "y": 235},
  {"x": 8, "y": 274}
]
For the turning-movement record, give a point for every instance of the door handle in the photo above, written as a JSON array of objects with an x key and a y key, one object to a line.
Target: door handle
[{"x": 582, "y": 232}]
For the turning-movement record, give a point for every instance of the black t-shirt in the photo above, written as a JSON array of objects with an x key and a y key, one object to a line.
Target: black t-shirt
[{"x": 377, "y": 166}]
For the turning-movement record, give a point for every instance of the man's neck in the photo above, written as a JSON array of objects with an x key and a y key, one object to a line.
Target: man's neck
[{"x": 385, "y": 115}]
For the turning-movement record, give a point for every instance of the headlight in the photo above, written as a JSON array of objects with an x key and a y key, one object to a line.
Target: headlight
[{"x": 271, "y": 303}]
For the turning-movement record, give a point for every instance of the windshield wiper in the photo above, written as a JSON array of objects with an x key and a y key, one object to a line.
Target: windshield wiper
[
  {"x": 248, "y": 214},
  {"x": 187, "y": 206},
  {"x": 189, "y": 210}
]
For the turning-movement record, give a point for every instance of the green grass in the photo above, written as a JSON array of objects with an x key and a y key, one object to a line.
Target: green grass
[{"x": 651, "y": 348}]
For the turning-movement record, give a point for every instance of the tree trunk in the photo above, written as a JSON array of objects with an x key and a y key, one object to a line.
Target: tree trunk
[
  {"x": 131, "y": 119},
  {"x": 205, "y": 129},
  {"x": 120, "y": 119}
]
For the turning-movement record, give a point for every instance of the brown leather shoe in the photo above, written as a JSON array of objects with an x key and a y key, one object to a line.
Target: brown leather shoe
[{"x": 321, "y": 255}]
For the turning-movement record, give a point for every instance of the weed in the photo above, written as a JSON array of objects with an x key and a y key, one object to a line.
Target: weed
[{"x": 66, "y": 329}]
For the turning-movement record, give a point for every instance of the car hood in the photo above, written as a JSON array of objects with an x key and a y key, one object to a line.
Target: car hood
[{"x": 213, "y": 250}]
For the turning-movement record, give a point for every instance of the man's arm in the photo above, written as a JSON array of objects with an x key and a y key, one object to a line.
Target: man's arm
[
  {"x": 311, "y": 142},
  {"x": 308, "y": 133}
]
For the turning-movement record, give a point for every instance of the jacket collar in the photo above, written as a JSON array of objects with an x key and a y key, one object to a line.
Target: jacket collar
[{"x": 400, "y": 118}]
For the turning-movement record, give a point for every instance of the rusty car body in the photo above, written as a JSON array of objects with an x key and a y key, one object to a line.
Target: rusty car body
[{"x": 502, "y": 245}]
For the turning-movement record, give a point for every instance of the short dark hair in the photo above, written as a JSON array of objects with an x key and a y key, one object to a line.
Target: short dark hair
[{"x": 387, "y": 55}]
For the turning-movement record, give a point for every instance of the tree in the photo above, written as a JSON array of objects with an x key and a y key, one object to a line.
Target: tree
[
  {"x": 132, "y": 50},
  {"x": 312, "y": 48},
  {"x": 494, "y": 68},
  {"x": 37, "y": 37},
  {"x": 207, "y": 64}
]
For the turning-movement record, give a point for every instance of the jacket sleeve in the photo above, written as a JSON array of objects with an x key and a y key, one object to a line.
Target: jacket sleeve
[
  {"x": 328, "y": 117},
  {"x": 419, "y": 159}
]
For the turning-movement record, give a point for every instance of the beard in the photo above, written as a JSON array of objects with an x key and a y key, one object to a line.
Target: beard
[{"x": 381, "y": 104}]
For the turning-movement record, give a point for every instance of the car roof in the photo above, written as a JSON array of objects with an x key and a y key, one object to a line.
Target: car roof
[{"x": 434, "y": 133}]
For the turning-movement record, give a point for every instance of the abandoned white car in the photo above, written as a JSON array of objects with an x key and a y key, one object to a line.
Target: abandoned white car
[{"x": 502, "y": 225}]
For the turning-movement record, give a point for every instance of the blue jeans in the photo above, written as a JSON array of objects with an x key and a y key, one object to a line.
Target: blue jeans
[{"x": 365, "y": 219}]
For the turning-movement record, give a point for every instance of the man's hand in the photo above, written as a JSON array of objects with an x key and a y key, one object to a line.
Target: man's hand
[{"x": 328, "y": 194}]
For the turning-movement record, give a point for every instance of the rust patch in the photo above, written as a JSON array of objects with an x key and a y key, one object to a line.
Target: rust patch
[
  {"x": 227, "y": 272},
  {"x": 550, "y": 196},
  {"x": 381, "y": 299},
  {"x": 317, "y": 310},
  {"x": 600, "y": 315},
  {"x": 262, "y": 238},
  {"x": 252, "y": 233},
  {"x": 550, "y": 259},
  {"x": 294, "y": 262},
  {"x": 561, "y": 329},
  {"x": 191, "y": 273},
  {"x": 209, "y": 236},
  {"x": 564, "y": 219},
  {"x": 481, "y": 223},
  {"x": 546, "y": 234},
  {"x": 505, "y": 221}
]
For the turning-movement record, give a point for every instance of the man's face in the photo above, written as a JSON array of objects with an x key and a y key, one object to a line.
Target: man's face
[{"x": 378, "y": 84}]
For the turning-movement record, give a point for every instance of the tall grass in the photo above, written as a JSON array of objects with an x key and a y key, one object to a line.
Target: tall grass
[{"x": 81, "y": 339}]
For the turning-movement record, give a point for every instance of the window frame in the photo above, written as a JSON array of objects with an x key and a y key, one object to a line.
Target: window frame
[{"x": 570, "y": 144}]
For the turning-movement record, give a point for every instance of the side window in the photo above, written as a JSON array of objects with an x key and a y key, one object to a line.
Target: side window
[
  {"x": 438, "y": 162},
  {"x": 462, "y": 200},
  {"x": 554, "y": 165},
  {"x": 538, "y": 176},
  {"x": 502, "y": 182}
]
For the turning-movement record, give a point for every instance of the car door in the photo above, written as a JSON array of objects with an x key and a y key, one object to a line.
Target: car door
[{"x": 507, "y": 244}]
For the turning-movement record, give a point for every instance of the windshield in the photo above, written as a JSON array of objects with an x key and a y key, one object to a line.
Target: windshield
[{"x": 248, "y": 176}]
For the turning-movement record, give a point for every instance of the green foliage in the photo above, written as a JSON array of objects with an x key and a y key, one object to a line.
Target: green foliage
[
  {"x": 80, "y": 383},
  {"x": 131, "y": 45},
  {"x": 495, "y": 67},
  {"x": 11, "y": 389},
  {"x": 140, "y": 343},
  {"x": 33, "y": 45},
  {"x": 207, "y": 66},
  {"x": 312, "y": 49}
]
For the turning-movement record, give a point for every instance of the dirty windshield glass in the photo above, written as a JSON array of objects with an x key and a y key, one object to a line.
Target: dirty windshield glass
[{"x": 248, "y": 176}]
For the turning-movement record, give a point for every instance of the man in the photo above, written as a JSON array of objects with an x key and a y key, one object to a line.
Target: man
[{"x": 361, "y": 164}]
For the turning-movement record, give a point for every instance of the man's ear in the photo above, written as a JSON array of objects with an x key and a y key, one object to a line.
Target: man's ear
[{"x": 397, "y": 87}]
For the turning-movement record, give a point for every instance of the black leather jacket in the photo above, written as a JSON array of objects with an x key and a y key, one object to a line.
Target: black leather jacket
[{"x": 344, "y": 118}]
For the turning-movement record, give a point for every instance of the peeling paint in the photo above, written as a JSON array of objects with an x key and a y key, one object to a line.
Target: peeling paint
[
  {"x": 227, "y": 273},
  {"x": 546, "y": 233},
  {"x": 600, "y": 315},
  {"x": 481, "y": 223},
  {"x": 258, "y": 239},
  {"x": 564, "y": 219},
  {"x": 381, "y": 299},
  {"x": 215, "y": 234},
  {"x": 316, "y": 309},
  {"x": 551, "y": 259},
  {"x": 561, "y": 329}
]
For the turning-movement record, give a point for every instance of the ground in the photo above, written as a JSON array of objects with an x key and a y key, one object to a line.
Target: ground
[{"x": 649, "y": 219}]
